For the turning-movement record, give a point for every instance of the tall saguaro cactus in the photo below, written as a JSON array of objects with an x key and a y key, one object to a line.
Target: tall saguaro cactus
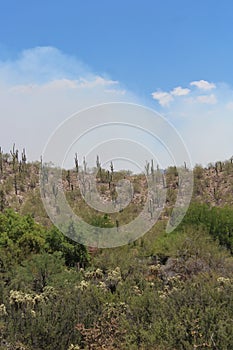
[
  {"x": 98, "y": 165},
  {"x": 24, "y": 159},
  {"x": 152, "y": 170},
  {"x": 68, "y": 178},
  {"x": 14, "y": 154},
  {"x": 15, "y": 185},
  {"x": 111, "y": 167},
  {"x": 1, "y": 160},
  {"x": 76, "y": 162},
  {"x": 84, "y": 165},
  {"x": 147, "y": 168}
]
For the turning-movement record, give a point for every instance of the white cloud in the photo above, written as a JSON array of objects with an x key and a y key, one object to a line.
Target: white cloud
[
  {"x": 179, "y": 91},
  {"x": 40, "y": 65},
  {"x": 95, "y": 82},
  {"x": 52, "y": 85},
  {"x": 203, "y": 85},
  {"x": 61, "y": 84},
  {"x": 41, "y": 88},
  {"x": 208, "y": 99},
  {"x": 204, "y": 121},
  {"x": 82, "y": 83},
  {"x": 164, "y": 98}
]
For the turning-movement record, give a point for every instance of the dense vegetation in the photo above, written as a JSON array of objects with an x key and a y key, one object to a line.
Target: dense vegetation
[{"x": 164, "y": 291}]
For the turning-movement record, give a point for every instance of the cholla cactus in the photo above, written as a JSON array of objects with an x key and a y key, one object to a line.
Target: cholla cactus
[
  {"x": 223, "y": 281},
  {"x": 19, "y": 298},
  {"x": 155, "y": 269},
  {"x": 162, "y": 294},
  {"x": 102, "y": 286},
  {"x": 114, "y": 275},
  {"x": 88, "y": 275},
  {"x": 73, "y": 347},
  {"x": 174, "y": 281},
  {"x": 33, "y": 313},
  {"x": 99, "y": 273},
  {"x": 83, "y": 285},
  {"x": 115, "y": 308},
  {"x": 95, "y": 274},
  {"x": 3, "y": 311},
  {"x": 172, "y": 285},
  {"x": 137, "y": 290},
  {"x": 113, "y": 279},
  {"x": 49, "y": 293}
]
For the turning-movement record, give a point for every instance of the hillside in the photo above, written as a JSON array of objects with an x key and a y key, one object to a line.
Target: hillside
[
  {"x": 19, "y": 186},
  {"x": 162, "y": 292}
]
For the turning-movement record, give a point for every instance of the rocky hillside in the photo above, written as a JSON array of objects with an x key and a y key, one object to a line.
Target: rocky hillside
[{"x": 19, "y": 186}]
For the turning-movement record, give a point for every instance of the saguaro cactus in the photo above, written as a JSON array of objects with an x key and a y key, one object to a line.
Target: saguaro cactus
[
  {"x": 84, "y": 165},
  {"x": 55, "y": 191},
  {"x": 24, "y": 159},
  {"x": 151, "y": 208},
  {"x": 15, "y": 185},
  {"x": 68, "y": 178},
  {"x": 220, "y": 165},
  {"x": 147, "y": 168},
  {"x": 111, "y": 167},
  {"x": 1, "y": 160},
  {"x": 117, "y": 225},
  {"x": 76, "y": 162},
  {"x": 14, "y": 155},
  {"x": 152, "y": 170},
  {"x": 98, "y": 165},
  {"x": 164, "y": 181}
]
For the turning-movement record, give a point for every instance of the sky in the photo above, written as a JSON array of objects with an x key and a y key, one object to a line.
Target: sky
[{"x": 58, "y": 57}]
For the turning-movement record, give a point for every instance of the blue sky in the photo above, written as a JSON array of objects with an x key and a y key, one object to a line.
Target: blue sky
[
  {"x": 174, "y": 56},
  {"x": 144, "y": 44}
]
